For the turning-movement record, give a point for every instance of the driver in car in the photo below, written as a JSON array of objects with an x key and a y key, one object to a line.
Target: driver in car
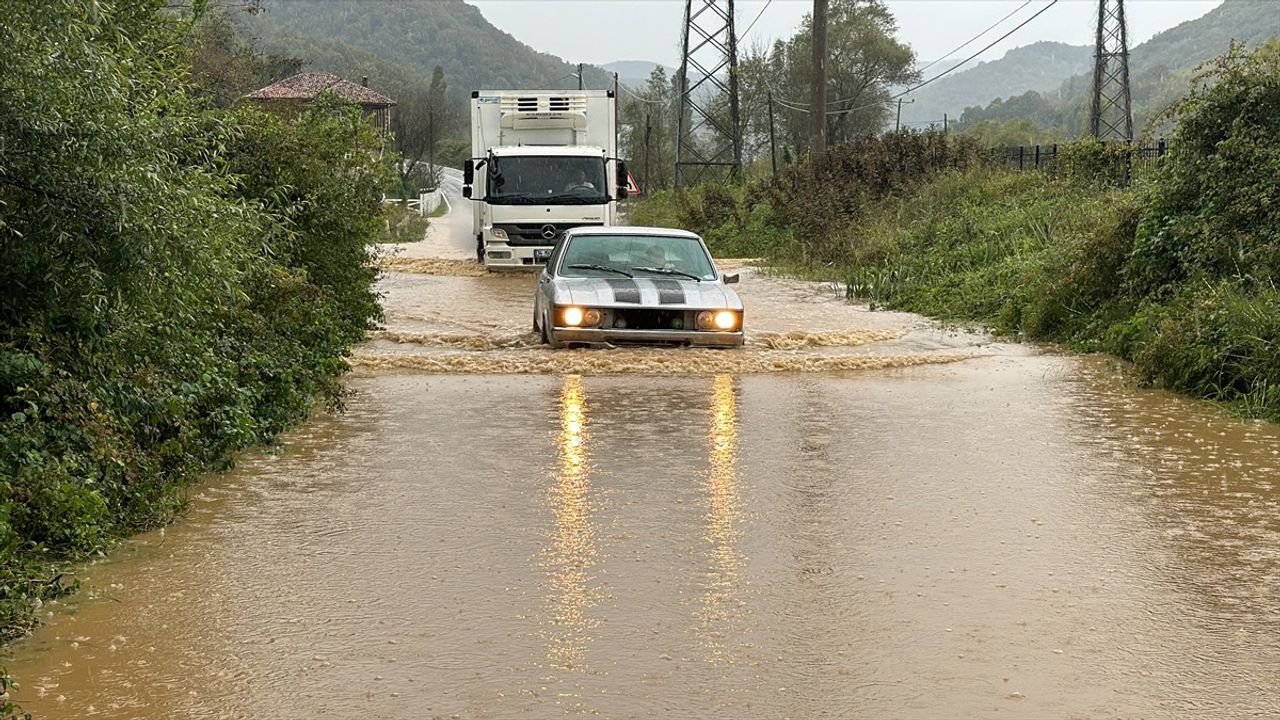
[
  {"x": 580, "y": 183},
  {"x": 654, "y": 256}
]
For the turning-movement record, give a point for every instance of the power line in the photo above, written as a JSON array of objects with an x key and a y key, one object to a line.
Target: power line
[
  {"x": 628, "y": 91},
  {"x": 766, "y": 7},
  {"x": 992, "y": 44},
  {"x": 974, "y": 39},
  {"x": 940, "y": 75}
]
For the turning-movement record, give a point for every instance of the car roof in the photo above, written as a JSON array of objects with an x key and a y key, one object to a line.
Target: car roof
[{"x": 631, "y": 230}]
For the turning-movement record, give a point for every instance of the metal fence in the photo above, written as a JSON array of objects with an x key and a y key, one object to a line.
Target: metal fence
[{"x": 1056, "y": 158}]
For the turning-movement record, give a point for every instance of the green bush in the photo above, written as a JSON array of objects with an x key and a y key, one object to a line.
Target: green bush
[
  {"x": 801, "y": 217},
  {"x": 403, "y": 224},
  {"x": 1214, "y": 209},
  {"x": 181, "y": 281}
]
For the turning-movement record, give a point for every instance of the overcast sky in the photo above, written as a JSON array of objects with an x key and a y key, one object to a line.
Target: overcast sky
[{"x": 601, "y": 31}]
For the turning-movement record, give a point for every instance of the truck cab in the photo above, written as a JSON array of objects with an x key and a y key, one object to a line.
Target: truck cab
[{"x": 542, "y": 163}]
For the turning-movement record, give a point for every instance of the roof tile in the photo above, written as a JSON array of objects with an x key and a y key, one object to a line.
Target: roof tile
[{"x": 306, "y": 86}]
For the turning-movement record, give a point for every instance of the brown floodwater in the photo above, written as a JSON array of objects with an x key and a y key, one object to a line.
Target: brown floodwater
[{"x": 857, "y": 515}]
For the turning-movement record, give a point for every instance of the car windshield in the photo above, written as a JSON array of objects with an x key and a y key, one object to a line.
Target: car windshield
[
  {"x": 638, "y": 255},
  {"x": 549, "y": 180}
]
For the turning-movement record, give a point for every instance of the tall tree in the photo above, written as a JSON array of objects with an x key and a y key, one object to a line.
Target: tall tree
[
  {"x": 224, "y": 66},
  {"x": 864, "y": 59},
  {"x": 419, "y": 122},
  {"x": 648, "y": 130}
]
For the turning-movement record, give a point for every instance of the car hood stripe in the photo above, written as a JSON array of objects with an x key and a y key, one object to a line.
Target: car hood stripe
[
  {"x": 624, "y": 291},
  {"x": 670, "y": 292}
]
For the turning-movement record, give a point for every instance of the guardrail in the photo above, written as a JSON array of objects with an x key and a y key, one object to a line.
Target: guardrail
[{"x": 426, "y": 202}]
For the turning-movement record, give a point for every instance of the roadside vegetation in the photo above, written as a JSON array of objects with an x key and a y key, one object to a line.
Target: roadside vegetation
[
  {"x": 180, "y": 280},
  {"x": 404, "y": 224},
  {"x": 1173, "y": 268}
]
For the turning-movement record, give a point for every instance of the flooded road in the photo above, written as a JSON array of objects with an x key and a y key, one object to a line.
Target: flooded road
[{"x": 858, "y": 515}]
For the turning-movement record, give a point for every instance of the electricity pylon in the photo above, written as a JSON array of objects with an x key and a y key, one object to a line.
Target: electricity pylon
[
  {"x": 707, "y": 143},
  {"x": 1111, "y": 109}
]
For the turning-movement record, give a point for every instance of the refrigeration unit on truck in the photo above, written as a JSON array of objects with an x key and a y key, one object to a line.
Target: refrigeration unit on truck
[{"x": 542, "y": 162}]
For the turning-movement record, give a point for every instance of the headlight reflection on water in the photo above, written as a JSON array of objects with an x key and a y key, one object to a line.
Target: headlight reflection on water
[
  {"x": 572, "y": 554},
  {"x": 722, "y": 608}
]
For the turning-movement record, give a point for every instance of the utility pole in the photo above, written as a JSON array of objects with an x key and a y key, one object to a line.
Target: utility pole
[
  {"x": 773, "y": 147},
  {"x": 818, "y": 97},
  {"x": 944, "y": 124},
  {"x": 431, "y": 146},
  {"x": 580, "y": 75},
  {"x": 707, "y": 143},
  {"x": 1111, "y": 106},
  {"x": 897, "y": 123},
  {"x": 648, "y": 179}
]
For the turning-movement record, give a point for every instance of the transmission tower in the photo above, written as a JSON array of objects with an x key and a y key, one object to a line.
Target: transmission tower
[
  {"x": 1111, "y": 109},
  {"x": 708, "y": 144}
]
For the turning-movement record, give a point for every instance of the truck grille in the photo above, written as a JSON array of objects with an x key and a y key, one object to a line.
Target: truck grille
[{"x": 535, "y": 233}]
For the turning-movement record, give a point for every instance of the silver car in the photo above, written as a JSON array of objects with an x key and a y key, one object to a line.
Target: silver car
[{"x": 627, "y": 285}]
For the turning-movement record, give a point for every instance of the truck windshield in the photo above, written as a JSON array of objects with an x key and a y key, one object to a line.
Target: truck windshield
[{"x": 547, "y": 180}]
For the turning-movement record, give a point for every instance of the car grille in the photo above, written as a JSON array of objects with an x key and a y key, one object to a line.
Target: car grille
[{"x": 651, "y": 319}]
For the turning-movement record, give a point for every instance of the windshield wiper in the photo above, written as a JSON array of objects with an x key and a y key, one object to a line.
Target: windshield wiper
[
  {"x": 605, "y": 268},
  {"x": 668, "y": 271},
  {"x": 576, "y": 198}
]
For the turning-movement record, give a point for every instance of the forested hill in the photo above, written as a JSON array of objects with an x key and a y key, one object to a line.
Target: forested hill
[
  {"x": 399, "y": 41},
  {"x": 1040, "y": 66},
  {"x": 1160, "y": 68},
  {"x": 1185, "y": 46}
]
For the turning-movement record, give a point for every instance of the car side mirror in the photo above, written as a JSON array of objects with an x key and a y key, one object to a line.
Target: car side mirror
[{"x": 730, "y": 279}]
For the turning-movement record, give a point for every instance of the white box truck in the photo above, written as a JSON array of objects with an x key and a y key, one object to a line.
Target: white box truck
[{"x": 542, "y": 162}]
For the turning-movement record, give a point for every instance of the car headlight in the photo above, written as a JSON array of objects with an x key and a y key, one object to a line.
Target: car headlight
[
  {"x": 498, "y": 234},
  {"x": 724, "y": 320},
  {"x": 573, "y": 316}
]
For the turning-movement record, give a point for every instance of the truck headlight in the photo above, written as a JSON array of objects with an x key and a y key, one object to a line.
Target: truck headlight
[{"x": 498, "y": 234}]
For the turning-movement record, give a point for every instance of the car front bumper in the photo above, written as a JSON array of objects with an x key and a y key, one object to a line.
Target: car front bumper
[{"x": 602, "y": 336}]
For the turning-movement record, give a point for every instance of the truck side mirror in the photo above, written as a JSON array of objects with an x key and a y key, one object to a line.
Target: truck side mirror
[
  {"x": 468, "y": 172},
  {"x": 466, "y": 191},
  {"x": 622, "y": 180}
]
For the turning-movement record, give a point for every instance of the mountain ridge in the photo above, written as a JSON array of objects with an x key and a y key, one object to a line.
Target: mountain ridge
[{"x": 1172, "y": 52}]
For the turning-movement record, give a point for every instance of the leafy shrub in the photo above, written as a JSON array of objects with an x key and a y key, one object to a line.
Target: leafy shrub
[
  {"x": 768, "y": 217},
  {"x": 1214, "y": 207},
  {"x": 403, "y": 224},
  {"x": 180, "y": 281}
]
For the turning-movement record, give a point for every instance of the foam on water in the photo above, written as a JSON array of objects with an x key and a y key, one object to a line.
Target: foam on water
[
  {"x": 644, "y": 361},
  {"x": 433, "y": 266}
]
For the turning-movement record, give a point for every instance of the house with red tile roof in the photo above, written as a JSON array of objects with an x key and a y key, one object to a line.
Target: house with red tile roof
[{"x": 303, "y": 88}]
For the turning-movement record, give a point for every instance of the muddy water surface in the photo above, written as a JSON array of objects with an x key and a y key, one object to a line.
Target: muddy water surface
[{"x": 857, "y": 515}]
